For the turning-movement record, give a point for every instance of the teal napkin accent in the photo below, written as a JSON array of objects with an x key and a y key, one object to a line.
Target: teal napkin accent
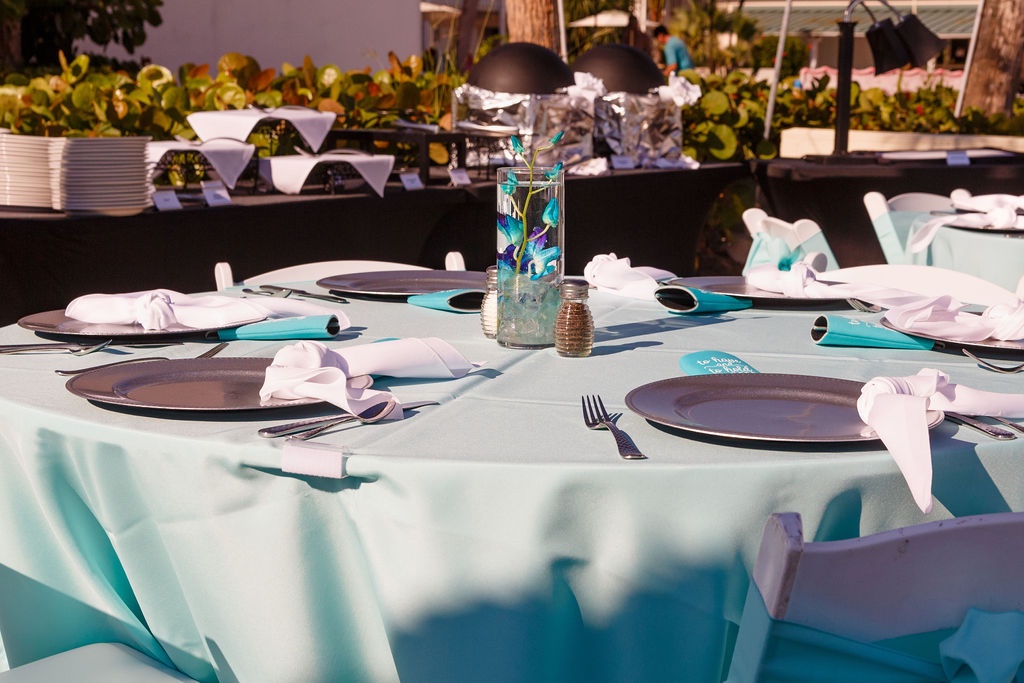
[
  {"x": 688, "y": 300},
  {"x": 987, "y": 648},
  {"x": 837, "y": 330},
  {"x": 302, "y": 327},
  {"x": 714, "y": 363},
  {"x": 453, "y": 300}
]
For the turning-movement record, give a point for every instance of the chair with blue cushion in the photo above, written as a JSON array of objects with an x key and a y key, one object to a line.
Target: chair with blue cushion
[
  {"x": 893, "y": 218},
  {"x": 778, "y": 243},
  {"x": 96, "y": 663},
  {"x": 939, "y": 601}
]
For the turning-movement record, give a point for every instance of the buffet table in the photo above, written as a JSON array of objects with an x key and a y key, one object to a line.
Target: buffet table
[
  {"x": 47, "y": 259},
  {"x": 831, "y": 192},
  {"x": 489, "y": 538}
]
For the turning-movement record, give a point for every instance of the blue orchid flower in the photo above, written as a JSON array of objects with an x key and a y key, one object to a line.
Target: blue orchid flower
[
  {"x": 557, "y": 137},
  {"x": 517, "y": 145},
  {"x": 511, "y": 228},
  {"x": 542, "y": 261},
  {"x": 510, "y": 184},
  {"x": 553, "y": 173},
  {"x": 550, "y": 215}
]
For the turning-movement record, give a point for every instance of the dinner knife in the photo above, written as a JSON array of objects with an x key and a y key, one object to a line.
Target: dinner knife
[
  {"x": 304, "y": 425},
  {"x": 983, "y": 427},
  {"x": 309, "y": 295}
]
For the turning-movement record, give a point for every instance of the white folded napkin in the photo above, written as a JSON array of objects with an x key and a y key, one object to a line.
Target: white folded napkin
[
  {"x": 610, "y": 273},
  {"x": 895, "y": 407},
  {"x": 228, "y": 157},
  {"x": 944, "y": 317},
  {"x": 997, "y": 218},
  {"x": 288, "y": 173},
  {"x": 802, "y": 281},
  {"x": 237, "y": 124},
  {"x": 161, "y": 309},
  {"x": 308, "y": 369},
  {"x": 965, "y": 201}
]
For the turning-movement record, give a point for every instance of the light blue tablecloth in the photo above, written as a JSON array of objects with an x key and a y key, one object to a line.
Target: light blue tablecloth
[
  {"x": 491, "y": 538},
  {"x": 994, "y": 256}
]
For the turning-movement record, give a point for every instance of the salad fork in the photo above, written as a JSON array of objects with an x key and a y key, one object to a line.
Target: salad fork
[
  {"x": 989, "y": 365},
  {"x": 595, "y": 416}
]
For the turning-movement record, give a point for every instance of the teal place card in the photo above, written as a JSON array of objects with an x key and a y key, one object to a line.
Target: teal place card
[{"x": 714, "y": 363}]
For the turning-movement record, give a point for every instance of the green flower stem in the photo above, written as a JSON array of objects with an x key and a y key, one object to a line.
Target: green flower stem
[{"x": 521, "y": 250}]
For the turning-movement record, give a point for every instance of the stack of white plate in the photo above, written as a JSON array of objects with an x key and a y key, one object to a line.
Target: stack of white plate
[
  {"x": 25, "y": 175},
  {"x": 103, "y": 176}
]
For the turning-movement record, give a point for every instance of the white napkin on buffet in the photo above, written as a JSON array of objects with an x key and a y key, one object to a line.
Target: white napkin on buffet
[
  {"x": 288, "y": 173},
  {"x": 309, "y": 369},
  {"x": 237, "y": 124},
  {"x": 228, "y": 157},
  {"x": 160, "y": 309},
  {"x": 610, "y": 273},
  {"x": 895, "y": 407},
  {"x": 944, "y": 317}
]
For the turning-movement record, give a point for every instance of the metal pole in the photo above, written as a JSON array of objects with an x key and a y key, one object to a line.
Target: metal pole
[
  {"x": 779, "y": 51},
  {"x": 970, "y": 58},
  {"x": 844, "y": 79},
  {"x": 564, "y": 51}
]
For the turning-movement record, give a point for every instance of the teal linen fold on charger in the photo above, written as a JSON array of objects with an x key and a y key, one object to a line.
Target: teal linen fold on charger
[
  {"x": 838, "y": 330},
  {"x": 301, "y": 327},
  {"x": 688, "y": 300},
  {"x": 451, "y": 300}
]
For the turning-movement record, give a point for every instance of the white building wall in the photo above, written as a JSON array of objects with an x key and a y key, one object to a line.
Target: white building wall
[{"x": 349, "y": 33}]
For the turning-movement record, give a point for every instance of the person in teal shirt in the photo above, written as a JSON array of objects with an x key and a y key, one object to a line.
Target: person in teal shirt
[{"x": 677, "y": 57}]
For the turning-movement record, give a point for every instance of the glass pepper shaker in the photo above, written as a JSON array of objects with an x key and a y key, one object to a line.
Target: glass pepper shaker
[
  {"x": 489, "y": 306},
  {"x": 574, "y": 324}
]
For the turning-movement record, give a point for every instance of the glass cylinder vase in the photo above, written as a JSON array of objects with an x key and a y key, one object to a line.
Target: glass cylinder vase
[{"x": 531, "y": 262}]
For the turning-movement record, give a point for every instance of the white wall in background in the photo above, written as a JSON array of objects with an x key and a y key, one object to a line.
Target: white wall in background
[{"x": 349, "y": 33}]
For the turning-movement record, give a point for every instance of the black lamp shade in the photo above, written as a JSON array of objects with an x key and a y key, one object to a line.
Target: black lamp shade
[
  {"x": 921, "y": 43},
  {"x": 622, "y": 68},
  {"x": 522, "y": 68},
  {"x": 888, "y": 50}
]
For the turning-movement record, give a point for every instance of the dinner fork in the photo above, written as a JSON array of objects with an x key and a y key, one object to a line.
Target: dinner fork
[
  {"x": 989, "y": 365},
  {"x": 596, "y": 417},
  {"x": 209, "y": 353}
]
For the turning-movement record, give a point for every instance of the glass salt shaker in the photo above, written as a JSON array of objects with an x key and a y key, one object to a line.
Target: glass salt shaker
[
  {"x": 574, "y": 325},
  {"x": 489, "y": 306}
]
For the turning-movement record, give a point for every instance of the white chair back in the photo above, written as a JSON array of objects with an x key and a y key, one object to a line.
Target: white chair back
[
  {"x": 859, "y": 593},
  {"x": 892, "y": 218},
  {"x": 773, "y": 239}
]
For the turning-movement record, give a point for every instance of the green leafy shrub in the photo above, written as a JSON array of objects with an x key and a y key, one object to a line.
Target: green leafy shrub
[{"x": 726, "y": 124}]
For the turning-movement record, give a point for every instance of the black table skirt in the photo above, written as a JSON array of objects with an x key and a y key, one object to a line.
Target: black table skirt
[
  {"x": 653, "y": 216},
  {"x": 832, "y": 193}
]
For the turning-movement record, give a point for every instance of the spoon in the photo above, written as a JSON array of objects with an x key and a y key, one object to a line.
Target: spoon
[{"x": 306, "y": 429}]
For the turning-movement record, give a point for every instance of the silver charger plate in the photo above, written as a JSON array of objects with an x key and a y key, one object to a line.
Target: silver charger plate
[
  {"x": 206, "y": 384},
  {"x": 403, "y": 283},
  {"x": 55, "y": 322},
  {"x": 737, "y": 285},
  {"x": 1005, "y": 345},
  {"x": 759, "y": 407}
]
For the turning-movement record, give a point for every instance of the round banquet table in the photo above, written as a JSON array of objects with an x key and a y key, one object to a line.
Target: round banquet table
[{"x": 492, "y": 537}]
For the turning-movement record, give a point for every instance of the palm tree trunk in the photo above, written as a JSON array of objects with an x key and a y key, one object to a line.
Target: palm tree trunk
[
  {"x": 10, "y": 43},
  {"x": 532, "y": 21},
  {"x": 996, "y": 67}
]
